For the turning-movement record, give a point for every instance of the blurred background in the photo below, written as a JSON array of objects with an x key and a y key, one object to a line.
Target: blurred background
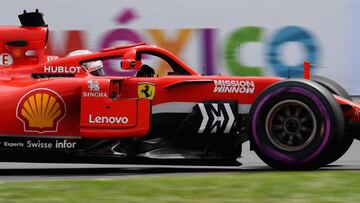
[{"x": 233, "y": 37}]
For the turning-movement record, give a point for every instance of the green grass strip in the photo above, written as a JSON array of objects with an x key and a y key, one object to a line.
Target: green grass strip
[{"x": 316, "y": 186}]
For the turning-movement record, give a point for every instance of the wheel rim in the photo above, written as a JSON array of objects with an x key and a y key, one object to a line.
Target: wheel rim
[{"x": 290, "y": 125}]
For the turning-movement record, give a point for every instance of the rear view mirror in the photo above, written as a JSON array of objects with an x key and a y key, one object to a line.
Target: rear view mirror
[
  {"x": 129, "y": 61},
  {"x": 128, "y": 64}
]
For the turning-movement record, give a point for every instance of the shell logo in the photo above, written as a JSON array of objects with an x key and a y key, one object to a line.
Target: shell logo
[{"x": 41, "y": 110}]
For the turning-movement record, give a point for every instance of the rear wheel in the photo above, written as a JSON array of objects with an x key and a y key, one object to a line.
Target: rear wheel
[
  {"x": 341, "y": 146},
  {"x": 332, "y": 86},
  {"x": 293, "y": 123}
]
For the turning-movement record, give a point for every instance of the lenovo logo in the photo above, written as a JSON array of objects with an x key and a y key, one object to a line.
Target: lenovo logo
[{"x": 107, "y": 119}]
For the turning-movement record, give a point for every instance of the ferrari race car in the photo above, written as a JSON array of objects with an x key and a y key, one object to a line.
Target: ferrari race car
[{"x": 67, "y": 109}]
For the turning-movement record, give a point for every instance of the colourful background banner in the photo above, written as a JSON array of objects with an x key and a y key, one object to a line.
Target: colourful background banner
[{"x": 234, "y": 37}]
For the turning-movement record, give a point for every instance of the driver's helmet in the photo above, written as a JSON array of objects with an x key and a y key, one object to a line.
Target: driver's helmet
[{"x": 95, "y": 67}]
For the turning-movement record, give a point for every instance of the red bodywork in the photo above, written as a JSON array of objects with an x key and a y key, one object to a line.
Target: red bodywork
[{"x": 63, "y": 106}]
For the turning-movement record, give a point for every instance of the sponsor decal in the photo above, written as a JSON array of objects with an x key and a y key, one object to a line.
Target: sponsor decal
[
  {"x": 107, "y": 119},
  {"x": 146, "y": 90},
  {"x": 357, "y": 112},
  {"x": 34, "y": 143},
  {"x": 58, "y": 144},
  {"x": 94, "y": 90},
  {"x": 234, "y": 86},
  {"x": 93, "y": 85},
  {"x": 52, "y": 58},
  {"x": 13, "y": 144},
  {"x": 6, "y": 59},
  {"x": 216, "y": 117},
  {"x": 62, "y": 69},
  {"x": 41, "y": 110},
  {"x": 94, "y": 94}
]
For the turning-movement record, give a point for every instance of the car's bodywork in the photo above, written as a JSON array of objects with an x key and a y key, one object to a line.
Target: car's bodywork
[{"x": 53, "y": 109}]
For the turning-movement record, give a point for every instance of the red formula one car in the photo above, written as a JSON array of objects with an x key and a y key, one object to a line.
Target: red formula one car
[{"x": 68, "y": 110}]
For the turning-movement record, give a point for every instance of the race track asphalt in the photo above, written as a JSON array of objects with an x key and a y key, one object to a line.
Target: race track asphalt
[{"x": 251, "y": 163}]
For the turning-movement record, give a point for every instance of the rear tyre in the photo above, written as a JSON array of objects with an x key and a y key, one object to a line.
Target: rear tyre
[
  {"x": 332, "y": 86},
  {"x": 343, "y": 145},
  {"x": 293, "y": 123}
]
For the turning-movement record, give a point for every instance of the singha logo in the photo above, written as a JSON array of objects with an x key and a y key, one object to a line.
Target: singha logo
[{"x": 93, "y": 85}]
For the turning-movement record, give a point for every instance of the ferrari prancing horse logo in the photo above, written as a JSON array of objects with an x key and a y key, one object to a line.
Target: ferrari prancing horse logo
[{"x": 146, "y": 90}]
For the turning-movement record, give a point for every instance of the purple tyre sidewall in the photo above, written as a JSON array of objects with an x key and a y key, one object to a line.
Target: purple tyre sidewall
[{"x": 277, "y": 155}]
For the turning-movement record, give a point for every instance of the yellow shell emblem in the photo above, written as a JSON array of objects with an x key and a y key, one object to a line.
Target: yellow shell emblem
[
  {"x": 41, "y": 110},
  {"x": 146, "y": 90}
]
